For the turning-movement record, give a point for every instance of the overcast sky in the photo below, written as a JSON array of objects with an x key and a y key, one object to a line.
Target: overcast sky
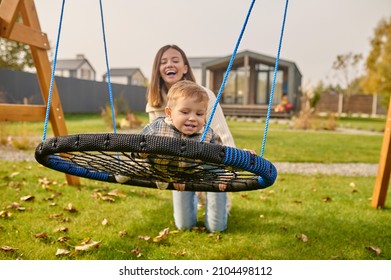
[{"x": 316, "y": 31}]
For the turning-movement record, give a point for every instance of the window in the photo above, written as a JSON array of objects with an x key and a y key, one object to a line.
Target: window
[
  {"x": 265, "y": 77},
  {"x": 234, "y": 87}
]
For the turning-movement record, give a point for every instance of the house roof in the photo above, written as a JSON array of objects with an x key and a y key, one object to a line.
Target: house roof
[
  {"x": 69, "y": 64},
  {"x": 265, "y": 59},
  {"x": 72, "y": 64},
  {"x": 123, "y": 72},
  {"x": 196, "y": 62}
]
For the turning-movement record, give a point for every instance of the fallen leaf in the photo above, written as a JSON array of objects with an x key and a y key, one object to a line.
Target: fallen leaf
[
  {"x": 61, "y": 252},
  {"x": 162, "y": 235},
  {"x": 5, "y": 214},
  {"x": 27, "y": 198},
  {"x": 63, "y": 239},
  {"x": 302, "y": 237},
  {"x": 135, "y": 251},
  {"x": 374, "y": 249},
  {"x": 180, "y": 253},
  {"x": 87, "y": 246},
  {"x": 70, "y": 208},
  {"x": 144, "y": 237},
  {"x": 13, "y": 174},
  {"x": 8, "y": 249},
  {"x": 103, "y": 197},
  {"x": 122, "y": 233},
  {"x": 17, "y": 206},
  {"x": 105, "y": 222},
  {"x": 53, "y": 216},
  {"x": 117, "y": 193},
  {"x": 326, "y": 198},
  {"x": 42, "y": 235},
  {"x": 61, "y": 229}
]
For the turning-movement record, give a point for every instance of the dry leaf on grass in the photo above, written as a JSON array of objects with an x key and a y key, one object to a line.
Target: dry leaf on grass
[
  {"x": 13, "y": 174},
  {"x": 42, "y": 235},
  {"x": 62, "y": 252},
  {"x": 105, "y": 222},
  {"x": 63, "y": 239},
  {"x": 103, "y": 197},
  {"x": 144, "y": 237},
  {"x": 17, "y": 206},
  {"x": 85, "y": 246},
  {"x": 70, "y": 208},
  {"x": 302, "y": 237},
  {"x": 54, "y": 216},
  {"x": 162, "y": 235},
  {"x": 27, "y": 198},
  {"x": 8, "y": 249},
  {"x": 374, "y": 249},
  {"x": 5, "y": 214},
  {"x": 61, "y": 229},
  {"x": 117, "y": 193}
]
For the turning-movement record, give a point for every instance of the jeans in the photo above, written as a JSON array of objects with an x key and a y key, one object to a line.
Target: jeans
[{"x": 185, "y": 210}]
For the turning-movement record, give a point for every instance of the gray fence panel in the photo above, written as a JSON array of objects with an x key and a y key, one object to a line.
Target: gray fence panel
[{"x": 77, "y": 96}]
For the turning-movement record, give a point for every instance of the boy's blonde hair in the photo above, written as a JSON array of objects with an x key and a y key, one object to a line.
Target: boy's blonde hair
[{"x": 186, "y": 89}]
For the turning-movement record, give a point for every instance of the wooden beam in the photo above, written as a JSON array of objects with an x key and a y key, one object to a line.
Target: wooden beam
[
  {"x": 29, "y": 36},
  {"x": 18, "y": 112},
  {"x": 8, "y": 16},
  {"x": 384, "y": 168}
]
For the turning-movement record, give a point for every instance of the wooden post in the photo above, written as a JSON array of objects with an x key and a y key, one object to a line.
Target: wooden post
[
  {"x": 384, "y": 169},
  {"x": 29, "y": 32}
]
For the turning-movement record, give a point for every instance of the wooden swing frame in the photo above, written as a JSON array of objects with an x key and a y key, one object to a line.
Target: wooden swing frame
[
  {"x": 384, "y": 168},
  {"x": 29, "y": 32}
]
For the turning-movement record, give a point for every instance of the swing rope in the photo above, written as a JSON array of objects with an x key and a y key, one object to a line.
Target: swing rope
[
  {"x": 108, "y": 69},
  {"x": 50, "y": 94},
  {"x": 227, "y": 72},
  {"x": 271, "y": 97},
  {"x": 52, "y": 76},
  {"x": 273, "y": 82}
]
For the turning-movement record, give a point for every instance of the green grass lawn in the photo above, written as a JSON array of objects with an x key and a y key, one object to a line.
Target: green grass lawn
[{"x": 300, "y": 217}]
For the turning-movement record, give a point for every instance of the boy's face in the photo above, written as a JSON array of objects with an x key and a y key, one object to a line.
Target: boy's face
[{"x": 188, "y": 115}]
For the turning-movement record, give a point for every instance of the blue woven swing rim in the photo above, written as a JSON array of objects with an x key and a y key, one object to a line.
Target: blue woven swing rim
[{"x": 48, "y": 153}]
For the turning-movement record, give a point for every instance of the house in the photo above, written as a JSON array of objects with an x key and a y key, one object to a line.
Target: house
[
  {"x": 196, "y": 66},
  {"x": 79, "y": 68},
  {"x": 126, "y": 76},
  {"x": 248, "y": 86}
]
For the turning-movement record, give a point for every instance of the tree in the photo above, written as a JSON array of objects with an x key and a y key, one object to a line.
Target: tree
[
  {"x": 14, "y": 55},
  {"x": 347, "y": 67},
  {"x": 378, "y": 63}
]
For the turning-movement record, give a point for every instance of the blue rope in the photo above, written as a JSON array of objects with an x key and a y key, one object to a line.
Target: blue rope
[
  {"x": 54, "y": 69},
  {"x": 45, "y": 127},
  {"x": 108, "y": 70},
  {"x": 227, "y": 73},
  {"x": 274, "y": 82}
]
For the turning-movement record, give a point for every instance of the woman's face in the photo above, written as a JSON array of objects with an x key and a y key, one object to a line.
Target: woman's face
[{"x": 172, "y": 67}]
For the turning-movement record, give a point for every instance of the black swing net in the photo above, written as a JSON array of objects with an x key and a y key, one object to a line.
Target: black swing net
[{"x": 158, "y": 161}]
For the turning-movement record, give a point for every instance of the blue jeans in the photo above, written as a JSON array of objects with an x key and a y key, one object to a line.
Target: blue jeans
[{"x": 185, "y": 210}]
